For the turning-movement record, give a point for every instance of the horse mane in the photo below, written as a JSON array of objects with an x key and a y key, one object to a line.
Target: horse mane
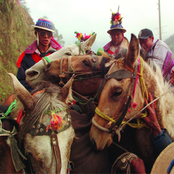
[
  {"x": 157, "y": 85},
  {"x": 48, "y": 100},
  {"x": 166, "y": 103}
]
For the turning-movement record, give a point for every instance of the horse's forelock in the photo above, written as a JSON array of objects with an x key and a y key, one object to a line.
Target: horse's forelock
[{"x": 48, "y": 100}]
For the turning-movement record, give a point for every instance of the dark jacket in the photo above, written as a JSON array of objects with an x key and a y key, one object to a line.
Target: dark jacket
[{"x": 29, "y": 57}]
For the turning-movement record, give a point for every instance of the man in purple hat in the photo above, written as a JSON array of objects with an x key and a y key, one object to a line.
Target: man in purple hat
[
  {"x": 44, "y": 45},
  {"x": 118, "y": 41},
  {"x": 158, "y": 52}
]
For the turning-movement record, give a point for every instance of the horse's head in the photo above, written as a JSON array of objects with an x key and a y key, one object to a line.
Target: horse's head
[
  {"x": 122, "y": 95},
  {"x": 88, "y": 71},
  {"x": 46, "y": 129},
  {"x": 35, "y": 74}
]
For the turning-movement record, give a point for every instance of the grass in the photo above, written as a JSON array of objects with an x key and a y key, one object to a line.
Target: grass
[{"x": 16, "y": 35}]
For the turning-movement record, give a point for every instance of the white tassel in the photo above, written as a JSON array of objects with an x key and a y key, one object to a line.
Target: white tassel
[{"x": 37, "y": 38}]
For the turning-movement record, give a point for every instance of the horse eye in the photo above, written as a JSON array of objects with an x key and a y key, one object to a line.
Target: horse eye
[
  {"x": 68, "y": 53},
  {"x": 86, "y": 63},
  {"x": 117, "y": 92}
]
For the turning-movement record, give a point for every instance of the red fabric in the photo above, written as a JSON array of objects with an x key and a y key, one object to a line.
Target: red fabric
[
  {"x": 36, "y": 57},
  {"x": 19, "y": 116},
  {"x": 110, "y": 52},
  {"x": 138, "y": 166},
  {"x": 20, "y": 59}
]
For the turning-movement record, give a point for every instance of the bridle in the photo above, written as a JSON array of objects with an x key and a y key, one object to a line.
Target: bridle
[
  {"x": 79, "y": 76},
  {"x": 16, "y": 154},
  {"x": 120, "y": 74},
  {"x": 34, "y": 127}
]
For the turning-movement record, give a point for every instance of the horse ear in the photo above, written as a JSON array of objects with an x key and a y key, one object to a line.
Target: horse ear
[
  {"x": 66, "y": 91},
  {"x": 86, "y": 45},
  {"x": 133, "y": 51},
  {"x": 24, "y": 96}
]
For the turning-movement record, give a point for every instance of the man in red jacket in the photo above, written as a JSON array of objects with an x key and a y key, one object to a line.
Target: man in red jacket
[{"x": 44, "y": 45}]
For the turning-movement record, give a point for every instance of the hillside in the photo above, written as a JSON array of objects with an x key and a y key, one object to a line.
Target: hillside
[
  {"x": 16, "y": 34},
  {"x": 170, "y": 43}
]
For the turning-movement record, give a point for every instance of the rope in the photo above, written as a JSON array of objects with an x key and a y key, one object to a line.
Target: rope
[
  {"x": 140, "y": 123},
  {"x": 123, "y": 163},
  {"x": 143, "y": 86},
  {"x": 101, "y": 114},
  {"x": 144, "y": 108},
  {"x": 11, "y": 108}
]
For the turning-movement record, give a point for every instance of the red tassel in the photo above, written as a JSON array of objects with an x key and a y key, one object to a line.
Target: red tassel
[
  {"x": 56, "y": 122},
  {"x": 19, "y": 116}
]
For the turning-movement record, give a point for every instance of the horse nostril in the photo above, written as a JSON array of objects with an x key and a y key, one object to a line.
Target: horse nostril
[
  {"x": 93, "y": 143},
  {"x": 32, "y": 73}
]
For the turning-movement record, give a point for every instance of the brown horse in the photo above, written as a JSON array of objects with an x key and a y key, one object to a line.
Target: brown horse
[
  {"x": 87, "y": 68},
  {"x": 125, "y": 88},
  {"x": 35, "y": 74},
  {"x": 45, "y": 129},
  {"x": 10, "y": 159}
]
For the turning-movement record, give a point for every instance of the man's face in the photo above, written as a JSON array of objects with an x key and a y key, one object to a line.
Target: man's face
[
  {"x": 116, "y": 36},
  {"x": 147, "y": 44},
  {"x": 44, "y": 37}
]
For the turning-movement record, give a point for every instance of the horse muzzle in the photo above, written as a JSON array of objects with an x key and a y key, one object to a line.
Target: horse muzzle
[{"x": 99, "y": 139}]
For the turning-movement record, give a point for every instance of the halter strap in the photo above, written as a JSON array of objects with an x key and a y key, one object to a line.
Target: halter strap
[
  {"x": 47, "y": 59},
  {"x": 120, "y": 74},
  {"x": 80, "y": 48}
]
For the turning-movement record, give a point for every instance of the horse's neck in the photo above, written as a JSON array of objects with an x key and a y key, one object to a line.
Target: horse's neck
[
  {"x": 164, "y": 108},
  {"x": 153, "y": 84}
]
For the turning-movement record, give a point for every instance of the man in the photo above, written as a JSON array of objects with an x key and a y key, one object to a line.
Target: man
[
  {"x": 44, "y": 45},
  {"x": 118, "y": 41},
  {"x": 157, "y": 51}
]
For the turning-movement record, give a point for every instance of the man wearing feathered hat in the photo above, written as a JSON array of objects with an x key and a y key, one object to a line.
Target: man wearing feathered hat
[
  {"x": 116, "y": 31},
  {"x": 44, "y": 45}
]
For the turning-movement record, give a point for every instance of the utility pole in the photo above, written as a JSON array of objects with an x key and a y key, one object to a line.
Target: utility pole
[{"x": 159, "y": 10}]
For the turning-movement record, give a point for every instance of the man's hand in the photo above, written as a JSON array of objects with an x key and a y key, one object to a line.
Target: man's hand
[
  {"x": 172, "y": 77},
  {"x": 151, "y": 119}
]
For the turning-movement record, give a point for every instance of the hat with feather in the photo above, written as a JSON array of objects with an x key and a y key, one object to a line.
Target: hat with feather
[{"x": 116, "y": 22}]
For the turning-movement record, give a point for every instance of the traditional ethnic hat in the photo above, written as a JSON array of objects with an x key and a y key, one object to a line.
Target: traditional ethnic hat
[
  {"x": 116, "y": 23},
  {"x": 44, "y": 24},
  {"x": 145, "y": 33},
  {"x": 164, "y": 162}
]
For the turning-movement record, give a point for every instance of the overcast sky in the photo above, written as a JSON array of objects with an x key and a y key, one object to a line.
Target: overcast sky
[{"x": 90, "y": 16}]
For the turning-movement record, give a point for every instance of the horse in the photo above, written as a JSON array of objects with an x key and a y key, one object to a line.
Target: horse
[
  {"x": 88, "y": 70},
  {"x": 124, "y": 89},
  {"x": 10, "y": 154},
  {"x": 35, "y": 74},
  {"x": 45, "y": 128}
]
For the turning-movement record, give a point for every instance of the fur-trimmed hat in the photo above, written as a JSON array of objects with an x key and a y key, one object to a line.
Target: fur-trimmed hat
[
  {"x": 116, "y": 21},
  {"x": 44, "y": 24}
]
